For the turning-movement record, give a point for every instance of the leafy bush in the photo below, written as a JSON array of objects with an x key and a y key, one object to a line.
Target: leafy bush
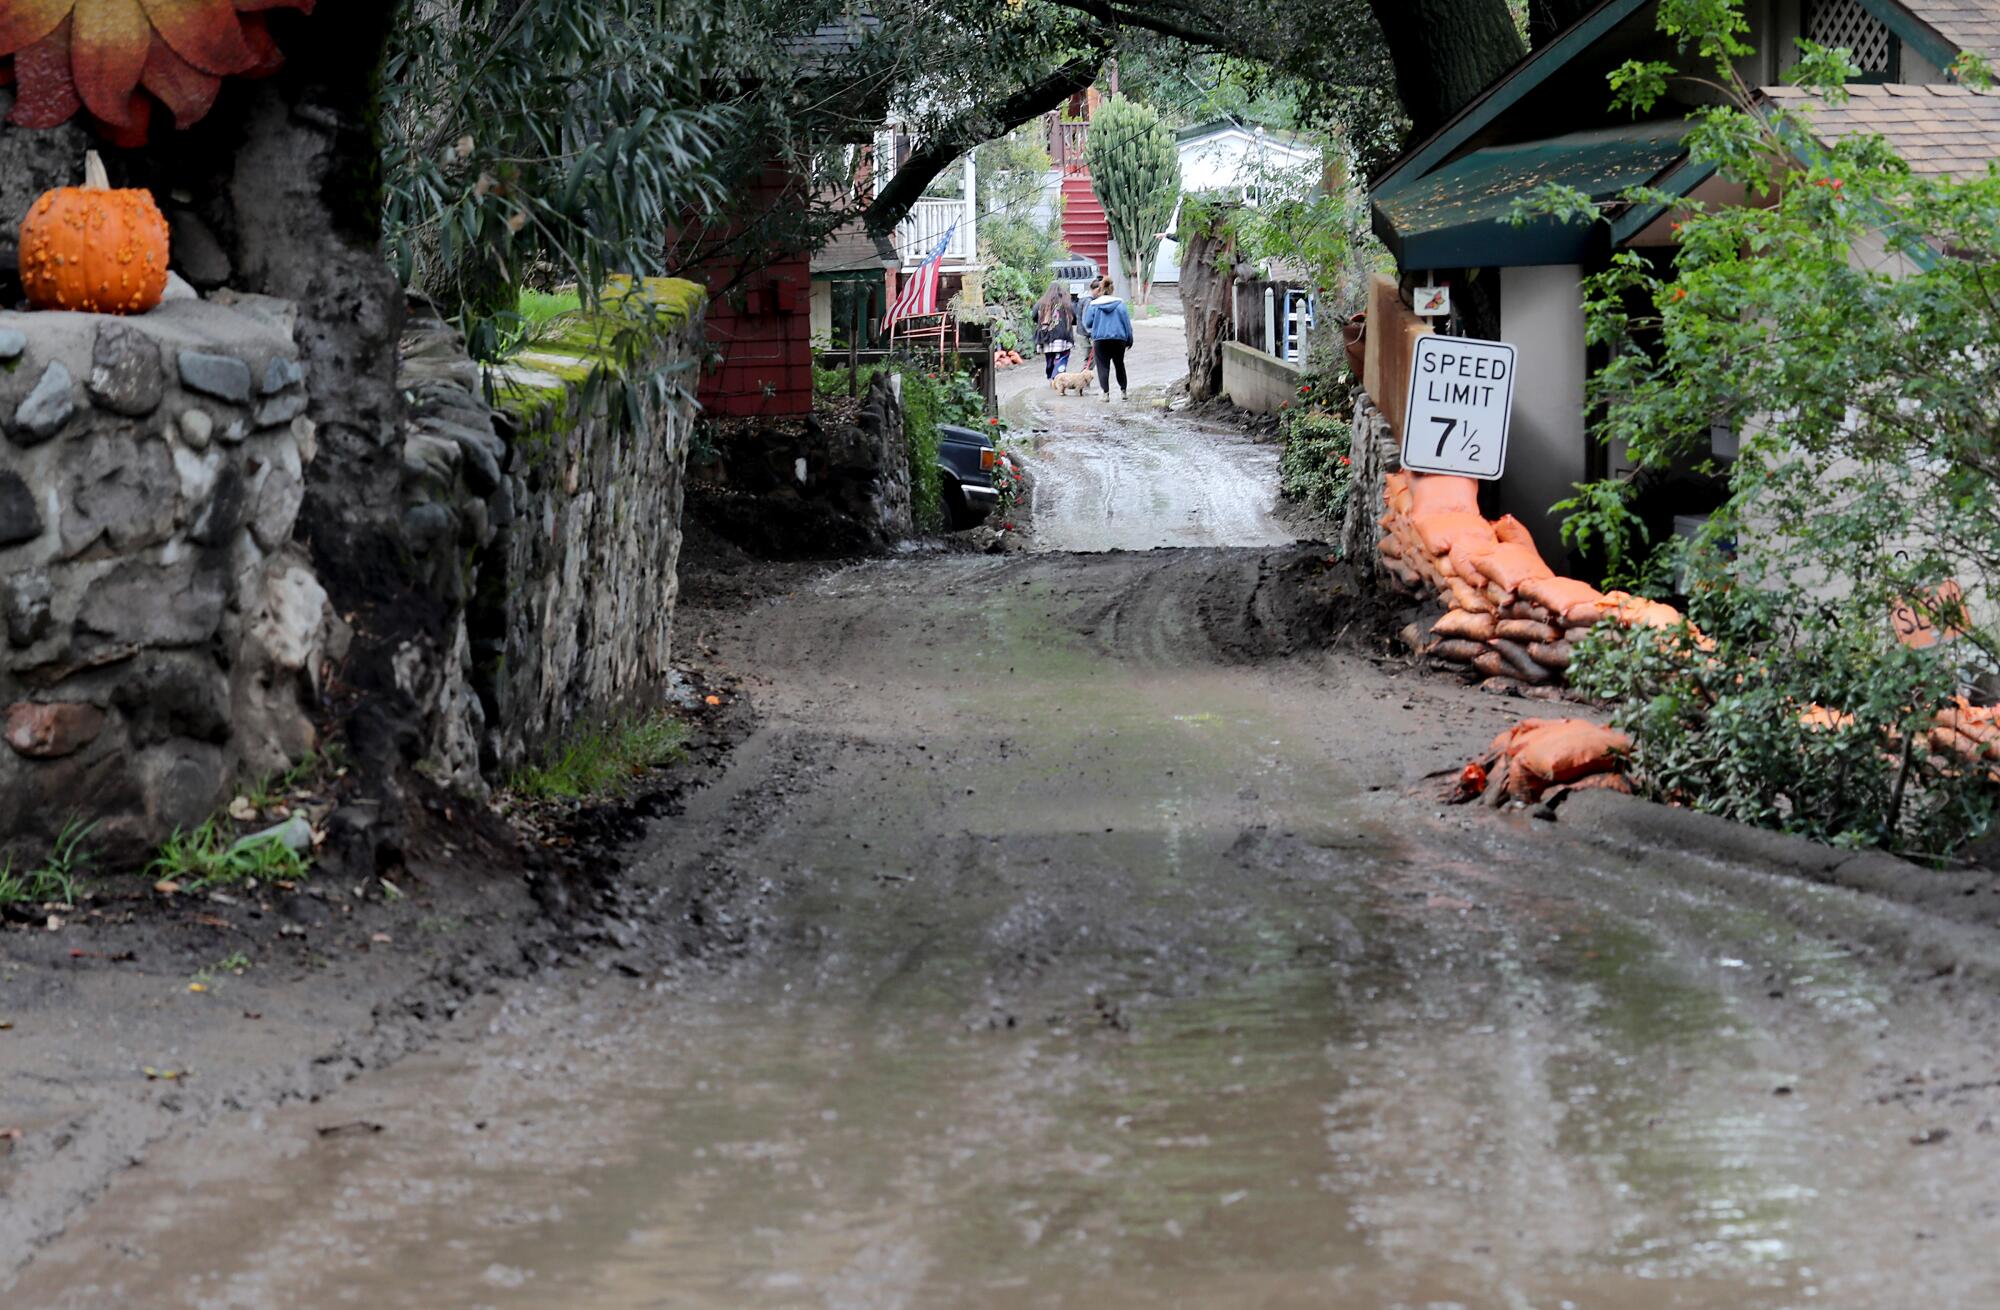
[
  {"x": 527, "y": 135},
  {"x": 1861, "y": 392},
  {"x": 922, "y": 412},
  {"x": 1315, "y": 469},
  {"x": 1729, "y": 730},
  {"x": 930, "y": 396}
]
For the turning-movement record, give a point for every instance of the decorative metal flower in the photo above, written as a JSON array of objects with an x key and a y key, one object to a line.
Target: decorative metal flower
[{"x": 103, "y": 56}]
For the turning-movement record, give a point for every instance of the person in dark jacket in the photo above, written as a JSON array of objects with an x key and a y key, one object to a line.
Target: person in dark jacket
[{"x": 1109, "y": 324}]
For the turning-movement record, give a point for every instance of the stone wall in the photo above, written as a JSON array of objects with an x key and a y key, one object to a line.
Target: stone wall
[
  {"x": 589, "y": 553},
  {"x": 163, "y": 632},
  {"x": 549, "y": 527},
  {"x": 1376, "y": 455}
]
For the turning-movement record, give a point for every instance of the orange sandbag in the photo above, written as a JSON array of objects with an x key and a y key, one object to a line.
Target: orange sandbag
[
  {"x": 1525, "y": 631},
  {"x": 1563, "y": 750},
  {"x": 1464, "y": 624},
  {"x": 1603, "y": 782},
  {"x": 1519, "y": 663},
  {"x": 1638, "y": 612},
  {"x": 1560, "y": 595},
  {"x": 1441, "y": 532},
  {"x": 1551, "y": 654},
  {"x": 1390, "y": 546},
  {"x": 1458, "y": 652},
  {"x": 1443, "y": 493},
  {"x": 1509, "y": 565},
  {"x": 1493, "y": 664},
  {"x": 1512, "y": 531},
  {"x": 1819, "y": 716},
  {"x": 1469, "y": 598}
]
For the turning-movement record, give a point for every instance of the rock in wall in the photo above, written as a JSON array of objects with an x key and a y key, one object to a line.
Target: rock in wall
[
  {"x": 1375, "y": 455},
  {"x": 163, "y": 632}
]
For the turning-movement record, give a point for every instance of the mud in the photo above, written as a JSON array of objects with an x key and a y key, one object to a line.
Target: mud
[{"x": 1055, "y": 941}]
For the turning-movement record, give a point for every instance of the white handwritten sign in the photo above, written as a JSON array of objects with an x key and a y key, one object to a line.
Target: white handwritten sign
[{"x": 1461, "y": 396}]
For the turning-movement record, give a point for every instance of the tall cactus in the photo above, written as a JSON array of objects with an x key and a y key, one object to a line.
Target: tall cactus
[{"x": 1135, "y": 169}]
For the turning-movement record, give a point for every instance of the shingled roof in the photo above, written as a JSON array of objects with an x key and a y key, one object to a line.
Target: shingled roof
[
  {"x": 1941, "y": 130},
  {"x": 1968, "y": 24}
]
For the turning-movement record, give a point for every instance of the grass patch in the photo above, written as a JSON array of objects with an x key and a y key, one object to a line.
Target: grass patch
[
  {"x": 604, "y": 761},
  {"x": 538, "y": 307},
  {"x": 210, "y": 857},
  {"x": 274, "y": 788},
  {"x": 56, "y": 878}
]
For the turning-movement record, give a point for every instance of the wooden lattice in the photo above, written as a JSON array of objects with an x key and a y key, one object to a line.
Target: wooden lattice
[{"x": 1846, "y": 23}]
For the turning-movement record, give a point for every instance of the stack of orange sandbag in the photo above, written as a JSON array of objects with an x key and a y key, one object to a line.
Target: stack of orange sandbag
[
  {"x": 1510, "y": 616},
  {"x": 1536, "y": 756},
  {"x": 1964, "y": 729}
]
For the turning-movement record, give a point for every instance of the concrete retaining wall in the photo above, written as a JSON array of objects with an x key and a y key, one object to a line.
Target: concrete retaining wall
[{"x": 1256, "y": 381}]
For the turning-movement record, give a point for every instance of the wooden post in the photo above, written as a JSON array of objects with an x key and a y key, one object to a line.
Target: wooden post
[{"x": 854, "y": 348}]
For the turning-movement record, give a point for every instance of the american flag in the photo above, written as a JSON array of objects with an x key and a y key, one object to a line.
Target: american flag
[{"x": 919, "y": 293}]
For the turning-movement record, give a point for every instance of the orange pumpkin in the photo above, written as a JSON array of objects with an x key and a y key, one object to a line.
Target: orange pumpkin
[{"x": 94, "y": 248}]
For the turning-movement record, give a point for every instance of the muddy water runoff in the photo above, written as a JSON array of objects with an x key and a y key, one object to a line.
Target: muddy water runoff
[{"x": 1097, "y": 975}]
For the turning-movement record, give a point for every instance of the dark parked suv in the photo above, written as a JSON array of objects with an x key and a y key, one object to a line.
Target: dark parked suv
[{"x": 966, "y": 459}]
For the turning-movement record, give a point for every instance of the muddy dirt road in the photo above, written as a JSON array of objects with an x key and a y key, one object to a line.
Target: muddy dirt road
[
  {"x": 1093, "y": 954},
  {"x": 1128, "y": 475}
]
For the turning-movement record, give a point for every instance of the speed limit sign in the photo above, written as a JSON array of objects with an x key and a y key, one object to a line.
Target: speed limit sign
[{"x": 1461, "y": 394}]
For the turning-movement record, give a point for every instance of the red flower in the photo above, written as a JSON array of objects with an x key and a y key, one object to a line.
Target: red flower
[
  {"x": 994, "y": 422},
  {"x": 1345, "y": 460},
  {"x": 1680, "y": 293}
]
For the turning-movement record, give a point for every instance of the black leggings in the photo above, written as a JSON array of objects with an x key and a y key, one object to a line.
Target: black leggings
[{"x": 1110, "y": 355}]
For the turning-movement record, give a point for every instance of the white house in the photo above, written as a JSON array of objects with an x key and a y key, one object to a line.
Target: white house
[{"x": 1234, "y": 160}]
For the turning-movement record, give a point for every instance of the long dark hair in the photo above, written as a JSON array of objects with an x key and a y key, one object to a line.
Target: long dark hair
[{"x": 1054, "y": 300}]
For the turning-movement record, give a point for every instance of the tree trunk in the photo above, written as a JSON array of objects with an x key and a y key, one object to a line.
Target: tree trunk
[
  {"x": 1208, "y": 288},
  {"x": 1445, "y": 52}
]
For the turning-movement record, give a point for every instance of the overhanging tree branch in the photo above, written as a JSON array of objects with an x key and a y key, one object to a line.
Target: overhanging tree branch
[{"x": 981, "y": 123}]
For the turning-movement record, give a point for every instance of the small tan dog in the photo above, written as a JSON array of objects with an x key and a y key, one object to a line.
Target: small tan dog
[{"x": 1064, "y": 383}]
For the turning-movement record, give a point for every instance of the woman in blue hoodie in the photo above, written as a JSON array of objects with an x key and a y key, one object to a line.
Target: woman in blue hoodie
[{"x": 1109, "y": 324}]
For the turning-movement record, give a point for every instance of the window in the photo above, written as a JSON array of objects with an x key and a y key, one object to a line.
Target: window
[{"x": 1845, "y": 23}]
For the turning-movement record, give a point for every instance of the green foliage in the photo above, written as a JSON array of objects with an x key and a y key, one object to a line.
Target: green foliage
[
  {"x": 604, "y": 761},
  {"x": 1315, "y": 469},
  {"x": 1303, "y": 223},
  {"x": 529, "y": 135},
  {"x": 212, "y": 856},
  {"x": 923, "y": 410},
  {"x": 1860, "y": 390},
  {"x": 1135, "y": 169},
  {"x": 1726, "y": 730},
  {"x": 57, "y": 878},
  {"x": 931, "y": 395}
]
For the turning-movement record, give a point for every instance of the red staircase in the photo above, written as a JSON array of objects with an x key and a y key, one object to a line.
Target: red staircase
[{"x": 1085, "y": 229}]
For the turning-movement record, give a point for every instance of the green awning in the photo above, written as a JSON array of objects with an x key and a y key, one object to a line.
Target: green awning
[{"x": 1457, "y": 216}]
